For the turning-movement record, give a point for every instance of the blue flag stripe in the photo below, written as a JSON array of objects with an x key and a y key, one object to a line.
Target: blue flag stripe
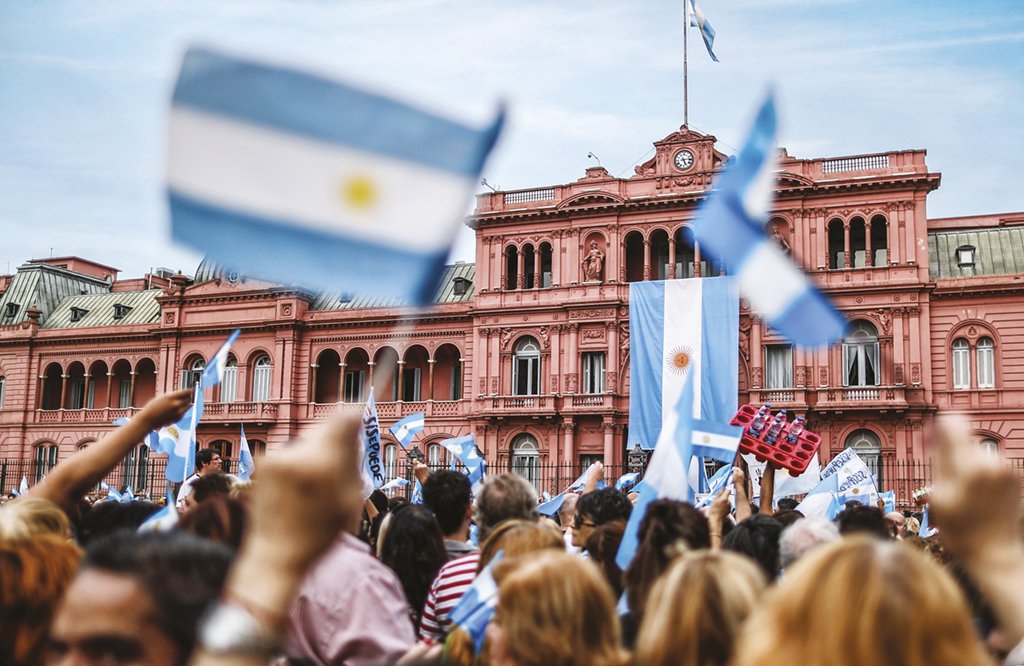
[
  {"x": 275, "y": 245},
  {"x": 330, "y": 111}
]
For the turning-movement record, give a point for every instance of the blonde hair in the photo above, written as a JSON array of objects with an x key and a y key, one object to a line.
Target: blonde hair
[
  {"x": 515, "y": 538},
  {"x": 862, "y": 601},
  {"x": 696, "y": 609},
  {"x": 33, "y": 516},
  {"x": 557, "y": 610}
]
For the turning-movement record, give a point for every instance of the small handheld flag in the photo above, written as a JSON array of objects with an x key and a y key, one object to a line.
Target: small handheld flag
[
  {"x": 181, "y": 454},
  {"x": 214, "y": 372},
  {"x": 729, "y": 225},
  {"x": 369, "y": 435},
  {"x": 627, "y": 480},
  {"x": 314, "y": 182},
  {"x": 23, "y": 488},
  {"x": 395, "y": 484},
  {"x": 246, "y": 466},
  {"x": 476, "y": 607},
  {"x": 404, "y": 430},
  {"x": 417, "y": 493}
]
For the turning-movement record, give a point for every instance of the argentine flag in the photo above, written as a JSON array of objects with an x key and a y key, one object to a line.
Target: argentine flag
[
  {"x": 23, "y": 487},
  {"x": 707, "y": 33},
  {"x": 464, "y": 448},
  {"x": 404, "y": 430},
  {"x": 476, "y": 607},
  {"x": 309, "y": 181},
  {"x": 679, "y": 329},
  {"x": 246, "y": 466},
  {"x": 729, "y": 225},
  {"x": 179, "y": 440},
  {"x": 395, "y": 484},
  {"x": 214, "y": 372}
]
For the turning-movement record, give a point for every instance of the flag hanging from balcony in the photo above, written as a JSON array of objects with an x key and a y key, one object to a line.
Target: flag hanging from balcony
[
  {"x": 679, "y": 328},
  {"x": 729, "y": 226},
  {"x": 299, "y": 179}
]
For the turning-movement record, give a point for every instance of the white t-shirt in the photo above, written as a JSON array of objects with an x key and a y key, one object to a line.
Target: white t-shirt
[{"x": 185, "y": 491}]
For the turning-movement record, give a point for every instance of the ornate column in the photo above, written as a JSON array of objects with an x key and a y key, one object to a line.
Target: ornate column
[
  {"x": 399, "y": 391},
  {"x": 430, "y": 374},
  {"x": 647, "y": 259},
  {"x": 63, "y": 389},
  {"x": 85, "y": 392},
  {"x": 868, "y": 260},
  {"x": 568, "y": 446},
  {"x": 672, "y": 257},
  {"x": 520, "y": 267},
  {"x": 696, "y": 260},
  {"x": 110, "y": 384},
  {"x": 313, "y": 368},
  {"x": 131, "y": 391},
  {"x": 342, "y": 369},
  {"x": 611, "y": 372},
  {"x": 609, "y": 442},
  {"x": 572, "y": 363},
  {"x": 846, "y": 244},
  {"x": 39, "y": 392},
  {"x": 756, "y": 354},
  {"x": 370, "y": 365}
]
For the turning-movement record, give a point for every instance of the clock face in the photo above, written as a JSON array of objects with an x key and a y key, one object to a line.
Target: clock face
[{"x": 683, "y": 160}]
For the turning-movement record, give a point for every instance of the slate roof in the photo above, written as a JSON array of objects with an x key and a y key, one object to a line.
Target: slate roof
[
  {"x": 998, "y": 251},
  {"x": 45, "y": 287},
  {"x": 99, "y": 310}
]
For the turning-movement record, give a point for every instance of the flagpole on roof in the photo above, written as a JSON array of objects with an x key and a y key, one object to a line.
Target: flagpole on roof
[{"x": 686, "y": 29}]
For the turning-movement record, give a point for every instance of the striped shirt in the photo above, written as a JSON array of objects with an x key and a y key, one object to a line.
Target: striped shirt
[{"x": 452, "y": 581}]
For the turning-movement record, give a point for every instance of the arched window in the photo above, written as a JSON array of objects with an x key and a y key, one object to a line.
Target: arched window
[
  {"x": 836, "y": 244},
  {"x": 879, "y": 241},
  {"x": 435, "y": 457},
  {"x": 261, "y": 379},
  {"x": 257, "y": 447},
  {"x": 45, "y": 460},
  {"x": 659, "y": 255},
  {"x": 961, "y": 365},
  {"x": 192, "y": 372},
  {"x": 229, "y": 384},
  {"x": 526, "y": 458},
  {"x": 867, "y": 445},
  {"x": 529, "y": 265},
  {"x": 860, "y": 355},
  {"x": 526, "y": 368},
  {"x": 511, "y": 267},
  {"x": 390, "y": 461},
  {"x": 545, "y": 264},
  {"x": 858, "y": 243},
  {"x": 986, "y": 363},
  {"x": 989, "y": 446},
  {"x": 223, "y": 448},
  {"x": 3, "y": 385}
]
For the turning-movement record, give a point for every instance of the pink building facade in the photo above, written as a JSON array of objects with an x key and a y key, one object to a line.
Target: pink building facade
[{"x": 528, "y": 348}]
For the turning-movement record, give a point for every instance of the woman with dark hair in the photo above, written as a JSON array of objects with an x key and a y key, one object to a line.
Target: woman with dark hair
[
  {"x": 413, "y": 546},
  {"x": 757, "y": 537},
  {"x": 603, "y": 545}
]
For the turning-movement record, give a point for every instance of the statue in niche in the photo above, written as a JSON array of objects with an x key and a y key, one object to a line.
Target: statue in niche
[
  {"x": 593, "y": 264},
  {"x": 780, "y": 240}
]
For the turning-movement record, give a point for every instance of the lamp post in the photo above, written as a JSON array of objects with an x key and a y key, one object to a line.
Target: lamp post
[{"x": 636, "y": 459}]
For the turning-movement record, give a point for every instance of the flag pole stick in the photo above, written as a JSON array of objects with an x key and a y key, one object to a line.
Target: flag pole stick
[{"x": 686, "y": 30}]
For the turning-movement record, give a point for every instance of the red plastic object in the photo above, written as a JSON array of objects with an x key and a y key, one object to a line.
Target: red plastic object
[{"x": 794, "y": 457}]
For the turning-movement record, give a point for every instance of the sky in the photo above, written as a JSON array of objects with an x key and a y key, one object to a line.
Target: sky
[{"x": 84, "y": 90}]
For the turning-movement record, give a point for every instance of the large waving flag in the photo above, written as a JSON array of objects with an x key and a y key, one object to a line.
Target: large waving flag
[
  {"x": 181, "y": 436},
  {"x": 729, "y": 226},
  {"x": 404, "y": 430},
  {"x": 369, "y": 435},
  {"x": 313, "y": 182},
  {"x": 476, "y": 607},
  {"x": 678, "y": 329},
  {"x": 697, "y": 20},
  {"x": 214, "y": 372},
  {"x": 246, "y": 465},
  {"x": 464, "y": 448}
]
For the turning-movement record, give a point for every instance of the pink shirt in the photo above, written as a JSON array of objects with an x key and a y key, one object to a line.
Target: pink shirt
[
  {"x": 452, "y": 581},
  {"x": 350, "y": 610}
]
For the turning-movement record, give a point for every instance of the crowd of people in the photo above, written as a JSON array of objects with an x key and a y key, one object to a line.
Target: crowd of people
[{"x": 299, "y": 567}]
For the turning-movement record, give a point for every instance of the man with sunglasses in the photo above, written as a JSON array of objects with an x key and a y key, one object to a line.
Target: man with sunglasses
[{"x": 596, "y": 508}]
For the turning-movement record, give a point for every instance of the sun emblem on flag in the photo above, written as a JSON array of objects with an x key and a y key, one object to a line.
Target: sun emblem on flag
[
  {"x": 358, "y": 192},
  {"x": 678, "y": 359},
  {"x": 172, "y": 431}
]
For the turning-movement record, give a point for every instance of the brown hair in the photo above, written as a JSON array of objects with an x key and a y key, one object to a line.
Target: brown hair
[
  {"x": 862, "y": 601},
  {"x": 220, "y": 518},
  {"x": 504, "y": 497},
  {"x": 556, "y": 610},
  {"x": 515, "y": 538},
  {"x": 603, "y": 545},
  {"x": 696, "y": 608},
  {"x": 34, "y": 573}
]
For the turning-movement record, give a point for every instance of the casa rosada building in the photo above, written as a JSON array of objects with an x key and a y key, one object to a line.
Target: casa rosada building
[{"x": 528, "y": 348}]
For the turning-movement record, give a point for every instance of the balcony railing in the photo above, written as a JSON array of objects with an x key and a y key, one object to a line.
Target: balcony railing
[
  {"x": 241, "y": 410},
  {"x": 393, "y": 410},
  {"x": 103, "y": 415}
]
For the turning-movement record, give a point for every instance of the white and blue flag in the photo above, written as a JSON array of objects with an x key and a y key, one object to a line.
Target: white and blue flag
[
  {"x": 315, "y": 182},
  {"x": 926, "y": 530},
  {"x": 214, "y": 372},
  {"x": 627, "y": 480},
  {"x": 373, "y": 452},
  {"x": 128, "y": 495},
  {"x": 163, "y": 520},
  {"x": 698, "y": 21},
  {"x": 889, "y": 501},
  {"x": 679, "y": 329},
  {"x": 551, "y": 505},
  {"x": 404, "y": 430},
  {"x": 719, "y": 480},
  {"x": 729, "y": 226},
  {"x": 23, "y": 487},
  {"x": 181, "y": 440},
  {"x": 464, "y": 448},
  {"x": 112, "y": 494},
  {"x": 246, "y": 465},
  {"x": 395, "y": 484},
  {"x": 417, "y": 493},
  {"x": 823, "y": 500},
  {"x": 476, "y": 607}
]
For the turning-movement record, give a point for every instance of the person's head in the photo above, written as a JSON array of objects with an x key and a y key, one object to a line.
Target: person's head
[
  {"x": 911, "y": 526},
  {"x": 858, "y": 601},
  {"x": 210, "y": 485},
  {"x": 567, "y": 512},
  {"x": 34, "y": 573},
  {"x": 138, "y": 600},
  {"x": 516, "y": 538},
  {"x": 450, "y": 496},
  {"x": 757, "y": 537},
  {"x": 786, "y": 504},
  {"x": 597, "y": 508},
  {"x": 207, "y": 461},
  {"x": 413, "y": 547},
  {"x": 603, "y": 545},
  {"x": 504, "y": 497},
  {"x": 802, "y": 537},
  {"x": 668, "y": 529},
  {"x": 862, "y": 519},
  {"x": 787, "y": 518},
  {"x": 696, "y": 609},
  {"x": 897, "y": 524},
  {"x": 554, "y": 609},
  {"x": 31, "y": 516},
  {"x": 220, "y": 518},
  {"x": 106, "y": 518}
]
